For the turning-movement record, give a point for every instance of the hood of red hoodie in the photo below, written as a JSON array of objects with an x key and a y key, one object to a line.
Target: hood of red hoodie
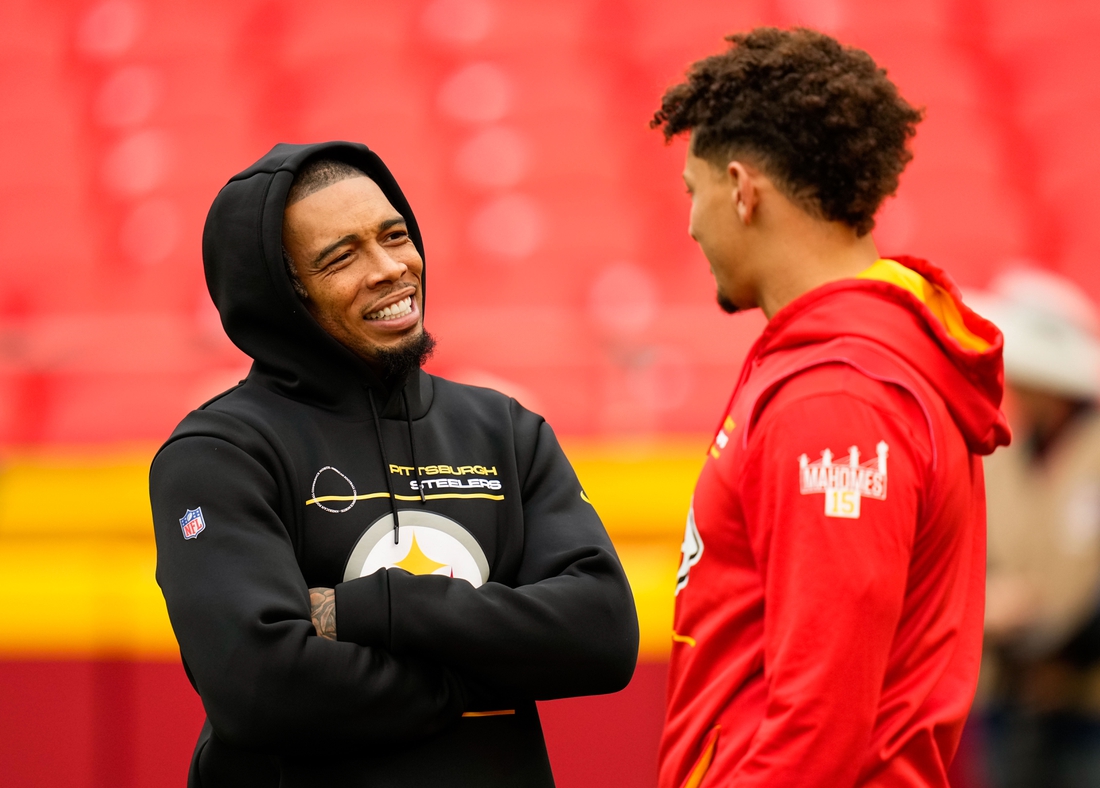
[{"x": 971, "y": 382}]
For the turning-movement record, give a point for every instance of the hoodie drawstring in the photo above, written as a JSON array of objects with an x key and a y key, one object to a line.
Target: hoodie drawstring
[
  {"x": 412, "y": 446},
  {"x": 386, "y": 462},
  {"x": 385, "y": 467}
]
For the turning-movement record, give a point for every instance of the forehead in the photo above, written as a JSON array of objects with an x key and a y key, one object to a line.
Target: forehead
[
  {"x": 345, "y": 206},
  {"x": 697, "y": 169}
]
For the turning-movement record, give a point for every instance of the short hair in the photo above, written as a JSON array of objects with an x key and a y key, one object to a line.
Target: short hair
[
  {"x": 313, "y": 177},
  {"x": 821, "y": 119},
  {"x": 318, "y": 174}
]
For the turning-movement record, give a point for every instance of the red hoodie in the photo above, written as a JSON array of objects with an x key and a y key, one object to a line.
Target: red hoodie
[{"x": 830, "y": 599}]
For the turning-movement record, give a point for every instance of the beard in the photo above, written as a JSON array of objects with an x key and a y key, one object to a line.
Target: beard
[
  {"x": 726, "y": 304},
  {"x": 397, "y": 362}
]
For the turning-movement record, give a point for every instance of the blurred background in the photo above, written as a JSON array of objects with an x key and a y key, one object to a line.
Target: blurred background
[{"x": 121, "y": 119}]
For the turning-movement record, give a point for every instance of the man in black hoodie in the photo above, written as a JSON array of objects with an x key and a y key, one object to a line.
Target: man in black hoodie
[{"x": 457, "y": 571}]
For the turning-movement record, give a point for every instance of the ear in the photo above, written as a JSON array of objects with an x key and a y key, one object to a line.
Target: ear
[{"x": 745, "y": 194}]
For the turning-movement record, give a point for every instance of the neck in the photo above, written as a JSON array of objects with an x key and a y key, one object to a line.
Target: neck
[{"x": 803, "y": 253}]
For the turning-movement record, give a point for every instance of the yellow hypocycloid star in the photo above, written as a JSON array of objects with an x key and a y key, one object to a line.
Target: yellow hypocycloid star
[{"x": 416, "y": 562}]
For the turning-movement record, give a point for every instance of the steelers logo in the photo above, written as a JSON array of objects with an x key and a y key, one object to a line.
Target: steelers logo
[{"x": 430, "y": 544}]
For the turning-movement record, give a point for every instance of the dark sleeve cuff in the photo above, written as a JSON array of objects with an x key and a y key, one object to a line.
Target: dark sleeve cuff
[{"x": 363, "y": 610}]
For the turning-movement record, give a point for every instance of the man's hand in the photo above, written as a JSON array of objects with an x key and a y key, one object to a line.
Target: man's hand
[{"x": 322, "y": 609}]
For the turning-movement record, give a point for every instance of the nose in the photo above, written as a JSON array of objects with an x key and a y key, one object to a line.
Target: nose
[{"x": 386, "y": 267}]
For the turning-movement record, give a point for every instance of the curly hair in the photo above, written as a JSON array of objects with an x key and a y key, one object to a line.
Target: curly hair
[{"x": 821, "y": 119}]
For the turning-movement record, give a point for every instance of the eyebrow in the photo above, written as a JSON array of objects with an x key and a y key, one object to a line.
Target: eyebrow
[
  {"x": 382, "y": 227},
  {"x": 333, "y": 246}
]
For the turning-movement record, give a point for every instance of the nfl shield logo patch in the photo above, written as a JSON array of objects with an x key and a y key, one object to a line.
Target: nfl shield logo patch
[{"x": 192, "y": 523}]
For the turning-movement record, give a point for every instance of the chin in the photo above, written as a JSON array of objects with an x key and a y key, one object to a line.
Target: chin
[
  {"x": 409, "y": 354},
  {"x": 726, "y": 304}
]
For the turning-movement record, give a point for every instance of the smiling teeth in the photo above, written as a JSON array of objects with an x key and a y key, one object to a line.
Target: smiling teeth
[{"x": 400, "y": 309}]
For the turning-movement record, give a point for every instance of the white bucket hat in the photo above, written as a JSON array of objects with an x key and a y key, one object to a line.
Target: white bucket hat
[{"x": 1051, "y": 330}]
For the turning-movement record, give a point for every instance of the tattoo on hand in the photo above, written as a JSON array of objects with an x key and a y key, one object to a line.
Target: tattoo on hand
[{"x": 322, "y": 609}]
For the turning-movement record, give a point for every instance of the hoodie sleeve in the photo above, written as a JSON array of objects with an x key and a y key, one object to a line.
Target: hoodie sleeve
[
  {"x": 568, "y": 628},
  {"x": 240, "y": 610},
  {"x": 833, "y": 585}
]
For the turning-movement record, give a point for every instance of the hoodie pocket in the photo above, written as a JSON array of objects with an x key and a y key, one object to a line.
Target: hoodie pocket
[{"x": 702, "y": 763}]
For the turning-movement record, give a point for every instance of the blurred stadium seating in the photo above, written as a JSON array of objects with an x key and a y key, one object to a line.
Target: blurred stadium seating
[{"x": 561, "y": 273}]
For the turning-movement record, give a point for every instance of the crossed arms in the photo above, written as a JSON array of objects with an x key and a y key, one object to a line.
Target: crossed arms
[{"x": 411, "y": 649}]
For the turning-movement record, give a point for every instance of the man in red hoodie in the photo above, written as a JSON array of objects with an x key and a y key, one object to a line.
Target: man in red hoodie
[{"x": 829, "y": 602}]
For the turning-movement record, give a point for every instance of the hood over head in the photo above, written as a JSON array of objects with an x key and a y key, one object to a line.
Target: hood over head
[
  {"x": 962, "y": 360},
  {"x": 242, "y": 250}
]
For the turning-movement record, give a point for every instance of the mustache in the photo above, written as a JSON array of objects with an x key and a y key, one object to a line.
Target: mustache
[{"x": 396, "y": 287}]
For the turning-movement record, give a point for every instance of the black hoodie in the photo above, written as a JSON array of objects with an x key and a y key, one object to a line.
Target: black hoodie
[{"x": 293, "y": 479}]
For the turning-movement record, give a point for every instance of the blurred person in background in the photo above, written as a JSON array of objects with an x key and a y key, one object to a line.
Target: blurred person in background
[
  {"x": 828, "y": 622},
  {"x": 1040, "y": 687},
  {"x": 372, "y": 572}
]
